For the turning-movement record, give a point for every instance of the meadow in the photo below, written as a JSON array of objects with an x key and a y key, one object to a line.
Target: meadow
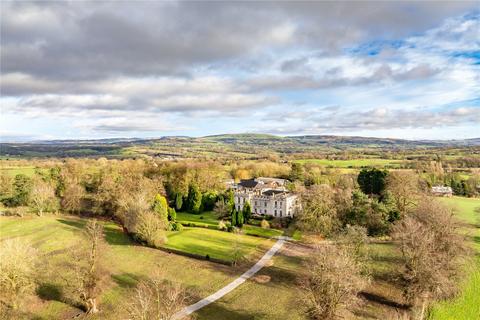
[{"x": 126, "y": 262}]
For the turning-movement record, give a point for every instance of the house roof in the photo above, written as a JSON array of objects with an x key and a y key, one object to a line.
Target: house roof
[
  {"x": 248, "y": 183},
  {"x": 272, "y": 192}
]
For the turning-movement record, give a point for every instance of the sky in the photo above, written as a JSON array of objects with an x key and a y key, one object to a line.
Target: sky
[{"x": 104, "y": 69}]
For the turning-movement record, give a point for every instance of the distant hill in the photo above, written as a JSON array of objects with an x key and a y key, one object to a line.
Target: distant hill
[{"x": 245, "y": 145}]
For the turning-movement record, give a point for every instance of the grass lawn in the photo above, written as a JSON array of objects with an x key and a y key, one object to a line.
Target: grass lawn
[
  {"x": 204, "y": 219},
  {"x": 126, "y": 262},
  {"x": 209, "y": 220},
  {"x": 467, "y": 304},
  {"x": 354, "y": 163},
  {"x": 217, "y": 244},
  {"x": 276, "y": 298}
]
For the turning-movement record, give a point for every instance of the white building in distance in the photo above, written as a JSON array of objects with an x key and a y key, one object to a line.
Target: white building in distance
[
  {"x": 442, "y": 191},
  {"x": 267, "y": 196}
]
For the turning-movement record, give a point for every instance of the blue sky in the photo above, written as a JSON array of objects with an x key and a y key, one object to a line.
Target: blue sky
[{"x": 148, "y": 69}]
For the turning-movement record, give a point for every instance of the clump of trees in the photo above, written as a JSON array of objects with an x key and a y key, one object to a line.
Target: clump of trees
[
  {"x": 432, "y": 253},
  {"x": 319, "y": 213}
]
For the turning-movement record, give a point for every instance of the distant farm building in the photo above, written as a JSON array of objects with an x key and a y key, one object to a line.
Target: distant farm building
[{"x": 442, "y": 191}]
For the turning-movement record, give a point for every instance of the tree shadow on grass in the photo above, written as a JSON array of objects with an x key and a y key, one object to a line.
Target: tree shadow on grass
[
  {"x": 50, "y": 291},
  {"x": 383, "y": 300},
  {"x": 127, "y": 280},
  {"x": 73, "y": 223},
  {"x": 219, "y": 311},
  {"x": 113, "y": 235}
]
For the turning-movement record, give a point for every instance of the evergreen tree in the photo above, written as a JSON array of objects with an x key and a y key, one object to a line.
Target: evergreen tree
[
  {"x": 208, "y": 200},
  {"x": 240, "y": 219},
  {"x": 372, "y": 181},
  {"x": 194, "y": 199},
  {"x": 234, "y": 217},
  {"x": 178, "y": 201},
  {"x": 172, "y": 214},
  {"x": 247, "y": 212},
  {"x": 160, "y": 206},
  {"x": 22, "y": 187},
  {"x": 229, "y": 199}
]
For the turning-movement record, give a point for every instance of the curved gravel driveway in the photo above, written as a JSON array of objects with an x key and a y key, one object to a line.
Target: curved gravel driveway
[{"x": 235, "y": 283}]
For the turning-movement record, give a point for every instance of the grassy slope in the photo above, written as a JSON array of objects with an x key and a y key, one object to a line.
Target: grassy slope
[
  {"x": 275, "y": 299},
  {"x": 467, "y": 305},
  {"x": 126, "y": 262},
  {"x": 217, "y": 244}
]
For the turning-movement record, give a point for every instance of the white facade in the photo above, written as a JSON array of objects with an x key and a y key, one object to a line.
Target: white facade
[{"x": 266, "y": 198}]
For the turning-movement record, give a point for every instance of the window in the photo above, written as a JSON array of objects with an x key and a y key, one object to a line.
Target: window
[
  {"x": 255, "y": 202},
  {"x": 280, "y": 213},
  {"x": 275, "y": 212},
  {"x": 265, "y": 203}
]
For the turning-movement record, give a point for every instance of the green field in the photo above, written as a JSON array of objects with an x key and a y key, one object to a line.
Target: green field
[
  {"x": 467, "y": 305},
  {"x": 216, "y": 244},
  {"x": 13, "y": 171},
  {"x": 354, "y": 163}
]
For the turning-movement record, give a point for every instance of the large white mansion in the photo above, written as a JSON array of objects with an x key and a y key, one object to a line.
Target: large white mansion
[{"x": 267, "y": 196}]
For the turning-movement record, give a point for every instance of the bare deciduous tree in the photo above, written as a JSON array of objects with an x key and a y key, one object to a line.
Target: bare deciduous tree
[
  {"x": 332, "y": 282},
  {"x": 221, "y": 209},
  {"x": 42, "y": 197},
  {"x": 72, "y": 196},
  {"x": 88, "y": 273},
  {"x": 432, "y": 251},
  {"x": 17, "y": 266},
  {"x": 157, "y": 299},
  {"x": 405, "y": 188}
]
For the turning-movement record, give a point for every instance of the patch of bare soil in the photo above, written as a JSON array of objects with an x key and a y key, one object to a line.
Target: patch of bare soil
[
  {"x": 291, "y": 249},
  {"x": 262, "y": 278}
]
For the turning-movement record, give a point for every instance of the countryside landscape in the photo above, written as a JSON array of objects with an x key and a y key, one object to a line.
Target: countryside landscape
[{"x": 240, "y": 160}]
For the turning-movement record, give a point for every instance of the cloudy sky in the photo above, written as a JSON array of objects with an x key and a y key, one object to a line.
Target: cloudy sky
[{"x": 86, "y": 69}]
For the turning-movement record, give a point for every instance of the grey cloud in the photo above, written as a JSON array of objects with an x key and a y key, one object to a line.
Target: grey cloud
[
  {"x": 91, "y": 40},
  {"x": 334, "y": 78},
  {"x": 334, "y": 120}
]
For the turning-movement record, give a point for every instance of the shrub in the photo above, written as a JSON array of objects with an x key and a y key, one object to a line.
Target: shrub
[
  {"x": 175, "y": 226},
  {"x": 222, "y": 225},
  {"x": 150, "y": 229},
  {"x": 17, "y": 261},
  {"x": 172, "y": 214},
  {"x": 264, "y": 224}
]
